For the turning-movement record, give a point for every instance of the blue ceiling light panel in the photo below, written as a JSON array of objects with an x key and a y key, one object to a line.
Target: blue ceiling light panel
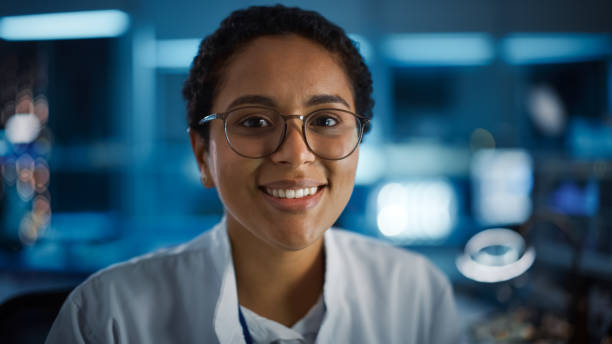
[
  {"x": 64, "y": 25},
  {"x": 532, "y": 48},
  {"x": 439, "y": 49}
]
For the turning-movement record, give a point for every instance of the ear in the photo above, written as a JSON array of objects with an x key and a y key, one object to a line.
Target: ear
[{"x": 200, "y": 151}]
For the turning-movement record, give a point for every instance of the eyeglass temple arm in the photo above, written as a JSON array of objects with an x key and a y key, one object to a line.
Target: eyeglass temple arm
[{"x": 208, "y": 118}]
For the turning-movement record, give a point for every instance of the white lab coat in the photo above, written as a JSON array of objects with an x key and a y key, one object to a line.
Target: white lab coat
[{"x": 373, "y": 293}]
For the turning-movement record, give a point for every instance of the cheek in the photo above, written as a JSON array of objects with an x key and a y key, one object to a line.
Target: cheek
[
  {"x": 344, "y": 176},
  {"x": 232, "y": 172},
  {"x": 234, "y": 176},
  {"x": 221, "y": 157}
]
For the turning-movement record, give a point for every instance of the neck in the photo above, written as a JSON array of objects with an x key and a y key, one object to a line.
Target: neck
[{"x": 281, "y": 285}]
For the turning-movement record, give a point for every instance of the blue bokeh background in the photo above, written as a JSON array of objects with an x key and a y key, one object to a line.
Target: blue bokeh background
[{"x": 487, "y": 114}]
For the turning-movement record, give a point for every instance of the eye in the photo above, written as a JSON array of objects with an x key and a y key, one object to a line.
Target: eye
[
  {"x": 254, "y": 122},
  {"x": 252, "y": 118},
  {"x": 325, "y": 121}
]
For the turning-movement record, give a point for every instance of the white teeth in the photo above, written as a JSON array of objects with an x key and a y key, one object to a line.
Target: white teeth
[{"x": 292, "y": 193}]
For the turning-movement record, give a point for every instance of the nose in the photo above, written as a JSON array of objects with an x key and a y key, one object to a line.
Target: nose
[{"x": 293, "y": 150}]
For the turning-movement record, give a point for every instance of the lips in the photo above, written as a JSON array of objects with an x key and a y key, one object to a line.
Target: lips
[{"x": 293, "y": 195}]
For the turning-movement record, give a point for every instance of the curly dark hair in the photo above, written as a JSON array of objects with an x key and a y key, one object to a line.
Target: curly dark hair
[{"x": 243, "y": 26}]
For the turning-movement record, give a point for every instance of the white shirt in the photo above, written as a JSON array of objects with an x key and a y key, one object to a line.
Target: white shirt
[
  {"x": 304, "y": 331},
  {"x": 373, "y": 293}
]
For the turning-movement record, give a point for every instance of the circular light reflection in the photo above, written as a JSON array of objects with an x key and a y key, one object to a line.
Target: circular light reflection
[
  {"x": 422, "y": 210},
  {"x": 41, "y": 175},
  {"x": 24, "y": 102},
  {"x": 41, "y": 209},
  {"x": 28, "y": 232},
  {"x": 22, "y": 128},
  {"x": 482, "y": 139},
  {"x": 9, "y": 171},
  {"x": 41, "y": 109},
  {"x": 25, "y": 190},
  {"x": 24, "y": 162},
  {"x": 42, "y": 145},
  {"x": 393, "y": 220},
  {"x": 546, "y": 110}
]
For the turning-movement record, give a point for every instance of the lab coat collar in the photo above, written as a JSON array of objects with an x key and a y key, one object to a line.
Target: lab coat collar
[
  {"x": 334, "y": 288},
  {"x": 226, "y": 322},
  {"x": 227, "y": 325}
]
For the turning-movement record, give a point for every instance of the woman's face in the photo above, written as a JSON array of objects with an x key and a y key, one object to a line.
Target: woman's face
[{"x": 295, "y": 76}]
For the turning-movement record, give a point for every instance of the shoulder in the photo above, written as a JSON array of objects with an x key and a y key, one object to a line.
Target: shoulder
[
  {"x": 394, "y": 283},
  {"x": 150, "y": 298},
  {"x": 380, "y": 259},
  {"x": 147, "y": 275},
  {"x": 366, "y": 249}
]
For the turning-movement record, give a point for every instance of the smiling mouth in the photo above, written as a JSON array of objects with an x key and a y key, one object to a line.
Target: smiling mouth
[{"x": 292, "y": 193}]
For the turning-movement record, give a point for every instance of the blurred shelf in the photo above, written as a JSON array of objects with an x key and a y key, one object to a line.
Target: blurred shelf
[
  {"x": 593, "y": 264},
  {"x": 101, "y": 155},
  {"x": 85, "y": 243}
]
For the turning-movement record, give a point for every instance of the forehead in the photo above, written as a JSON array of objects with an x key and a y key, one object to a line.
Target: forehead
[{"x": 287, "y": 68}]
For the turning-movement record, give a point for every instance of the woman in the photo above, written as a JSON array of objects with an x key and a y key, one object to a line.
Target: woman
[{"x": 278, "y": 99}]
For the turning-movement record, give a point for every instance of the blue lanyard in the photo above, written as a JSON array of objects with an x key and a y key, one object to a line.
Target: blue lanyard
[{"x": 245, "y": 329}]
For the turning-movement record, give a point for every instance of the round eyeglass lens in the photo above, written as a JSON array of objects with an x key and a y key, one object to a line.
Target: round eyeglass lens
[
  {"x": 254, "y": 132},
  {"x": 332, "y": 134}
]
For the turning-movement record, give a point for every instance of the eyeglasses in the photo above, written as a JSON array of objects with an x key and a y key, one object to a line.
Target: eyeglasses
[{"x": 256, "y": 132}]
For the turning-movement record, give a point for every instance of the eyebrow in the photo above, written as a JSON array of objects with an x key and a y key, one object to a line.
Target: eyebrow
[
  {"x": 318, "y": 99},
  {"x": 326, "y": 99},
  {"x": 252, "y": 99}
]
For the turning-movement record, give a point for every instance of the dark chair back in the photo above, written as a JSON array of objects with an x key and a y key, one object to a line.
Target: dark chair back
[{"x": 27, "y": 318}]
